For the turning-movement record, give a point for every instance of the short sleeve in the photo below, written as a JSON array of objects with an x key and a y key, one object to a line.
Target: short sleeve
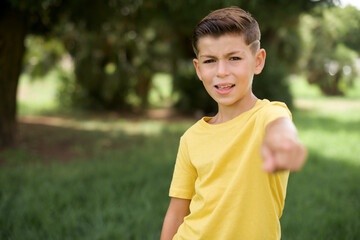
[
  {"x": 184, "y": 176},
  {"x": 276, "y": 110}
]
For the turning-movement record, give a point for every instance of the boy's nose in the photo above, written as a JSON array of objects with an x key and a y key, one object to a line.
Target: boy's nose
[{"x": 222, "y": 69}]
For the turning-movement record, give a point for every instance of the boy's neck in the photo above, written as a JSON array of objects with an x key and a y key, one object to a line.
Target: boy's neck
[{"x": 226, "y": 113}]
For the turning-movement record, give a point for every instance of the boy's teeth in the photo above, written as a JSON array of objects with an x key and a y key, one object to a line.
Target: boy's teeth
[{"x": 224, "y": 86}]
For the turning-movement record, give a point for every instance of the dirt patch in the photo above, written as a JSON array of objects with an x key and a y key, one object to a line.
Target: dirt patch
[
  {"x": 49, "y": 141},
  {"x": 65, "y": 138}
]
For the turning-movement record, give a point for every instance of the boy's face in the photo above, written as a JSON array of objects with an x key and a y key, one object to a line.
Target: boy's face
[{"x": 226, "y": 66}]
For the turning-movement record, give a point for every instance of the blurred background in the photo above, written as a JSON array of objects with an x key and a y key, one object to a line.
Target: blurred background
[{"x": 94, "y": 96}]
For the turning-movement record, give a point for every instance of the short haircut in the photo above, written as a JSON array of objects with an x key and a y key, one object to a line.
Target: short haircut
[{"x": 232, "y": 20}]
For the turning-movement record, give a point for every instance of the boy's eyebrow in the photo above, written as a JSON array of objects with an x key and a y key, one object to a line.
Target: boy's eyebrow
[
  {"x": 227, "y": 54},
  {"x": 206, "y": 56}
]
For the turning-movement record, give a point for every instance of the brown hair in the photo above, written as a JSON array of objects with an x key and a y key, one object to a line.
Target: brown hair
[{"x": 232, "y": 20}]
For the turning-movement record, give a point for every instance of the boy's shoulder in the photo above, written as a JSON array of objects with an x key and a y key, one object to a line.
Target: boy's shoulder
[
  {"x": 271, "y": 110},
  {"x": 195, "y": 127},
  {"x": 274, "y": 108},
  {"x": 269, "y": 103}
]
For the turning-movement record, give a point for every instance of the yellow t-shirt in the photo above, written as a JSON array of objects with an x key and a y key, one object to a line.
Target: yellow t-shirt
[{"x": 219, "y": 167}]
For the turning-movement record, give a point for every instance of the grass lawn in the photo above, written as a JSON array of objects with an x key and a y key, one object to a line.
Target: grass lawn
[
  {"x": 323, "y": 200},
  {"x": 102, "y": 184},
  {"x": 107, "y": 177}
]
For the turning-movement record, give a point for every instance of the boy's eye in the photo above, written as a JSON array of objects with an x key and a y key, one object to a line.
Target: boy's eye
[
  {"x": 209, "y": 61},
  {"x": 235, "y": 58}
]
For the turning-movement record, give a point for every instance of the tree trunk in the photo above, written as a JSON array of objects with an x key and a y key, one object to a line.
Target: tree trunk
[
  {"x": 333, "y": 88},
  {"x": 12, "y": 35},
  {"x": 143, "y": 89}
]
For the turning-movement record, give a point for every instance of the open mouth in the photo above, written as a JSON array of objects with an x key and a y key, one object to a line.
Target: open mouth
[
  {"x": 226, "y": 86},
  {"x": 224, "y": 89}
]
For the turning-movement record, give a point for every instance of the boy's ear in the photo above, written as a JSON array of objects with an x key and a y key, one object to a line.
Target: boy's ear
[
  {"x": 259, "y": 61},
  {"x": 196, "y": 65}
]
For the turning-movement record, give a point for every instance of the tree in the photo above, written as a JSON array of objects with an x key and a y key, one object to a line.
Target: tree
[
  {"x": 331, "y": 39},
  {"x": 18, "y": 18},
  {"x": 124, "y": 50},
  {"x": 15, "y": 23},
  {"x": 11, "y": 52}
]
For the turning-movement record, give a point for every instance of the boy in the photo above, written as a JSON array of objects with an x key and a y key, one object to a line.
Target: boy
[{"x": 226, "y": 183}]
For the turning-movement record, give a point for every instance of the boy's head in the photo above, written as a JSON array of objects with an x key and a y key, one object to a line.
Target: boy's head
[{"x": 232, "y": 20}]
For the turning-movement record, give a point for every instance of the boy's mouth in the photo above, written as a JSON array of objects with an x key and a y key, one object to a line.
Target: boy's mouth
[
  {"x": 224, "y": 86},
  {"x": 224, "y": 89}
]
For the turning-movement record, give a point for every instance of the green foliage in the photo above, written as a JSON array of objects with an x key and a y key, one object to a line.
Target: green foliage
[
  {"x": 118, "y": 57},
  {"x": 41, "y": 15},
  {"x": 42, "y": 56},
  {"x": 330, "y": 52},
  {"x": 117, "y": 46},
  {"x": 272, "y": 83},
  {"x": 102, "y": 80}
]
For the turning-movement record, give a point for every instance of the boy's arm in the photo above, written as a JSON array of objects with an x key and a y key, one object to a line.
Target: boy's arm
[
  {"x": 281, "y": 149},
  {"x": 178, "y": 209}
]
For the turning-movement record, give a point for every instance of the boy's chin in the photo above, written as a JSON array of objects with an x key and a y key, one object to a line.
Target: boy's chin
[{"x": 225, "y": 103}]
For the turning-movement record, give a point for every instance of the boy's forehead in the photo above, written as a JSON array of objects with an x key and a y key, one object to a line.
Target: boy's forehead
[{"x": 228, "y": 42}]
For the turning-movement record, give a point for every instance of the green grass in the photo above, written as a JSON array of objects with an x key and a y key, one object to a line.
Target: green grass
[
  {"x": 108, "y": 177},
  {"x": 119, "y": 191},
  {"x": 323, "y": 199}
]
